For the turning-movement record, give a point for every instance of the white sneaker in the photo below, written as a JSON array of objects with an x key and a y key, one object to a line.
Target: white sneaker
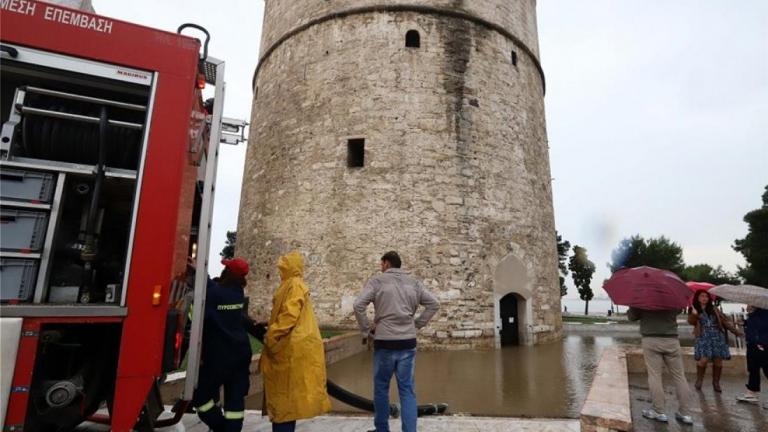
[
  {"x": 653, "y": 415},
  {"x": 748, "y": 397},
  {"x": 685, "y": 419}
]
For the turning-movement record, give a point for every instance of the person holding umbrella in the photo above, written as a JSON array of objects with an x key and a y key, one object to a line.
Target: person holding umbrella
[
  {"x": 661, "y": 347},
  {"x": 756, "y": 329},
  {"x": 757, "y": 352},
  {"x": 709, "y": 329},
  {"x": 655, "y": 297}
]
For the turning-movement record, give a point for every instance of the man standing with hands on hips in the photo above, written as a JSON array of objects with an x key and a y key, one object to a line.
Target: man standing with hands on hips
[{"x": 395, "y": 296}]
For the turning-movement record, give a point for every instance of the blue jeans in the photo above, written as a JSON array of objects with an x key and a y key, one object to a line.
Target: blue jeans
[{"x": 400, "y": 363}]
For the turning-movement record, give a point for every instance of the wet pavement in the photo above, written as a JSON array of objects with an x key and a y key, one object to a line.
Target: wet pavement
[
  {"x": 545, "y": 381},
  {"x": 255, "y": 422},
  {"x": 712, "y": 411}
]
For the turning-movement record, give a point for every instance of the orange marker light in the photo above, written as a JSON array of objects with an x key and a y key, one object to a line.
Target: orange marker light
[
  {"x": 200, "y": 81},
  {"x": 156, "y": 295}
]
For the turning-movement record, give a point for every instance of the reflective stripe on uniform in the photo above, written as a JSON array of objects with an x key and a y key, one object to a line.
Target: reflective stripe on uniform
[
  {"x": 234, "y": 306},
  {"x": 206, "y": 406},
  {"x": 234, "y": 415}
]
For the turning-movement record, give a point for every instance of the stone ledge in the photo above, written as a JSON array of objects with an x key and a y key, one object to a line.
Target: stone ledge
[
  {"x": 736, "y": 366},
  {"x": 607, "y": 407}
]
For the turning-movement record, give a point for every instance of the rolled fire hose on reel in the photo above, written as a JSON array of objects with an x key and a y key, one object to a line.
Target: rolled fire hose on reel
[{"x": 340, "y": 394}]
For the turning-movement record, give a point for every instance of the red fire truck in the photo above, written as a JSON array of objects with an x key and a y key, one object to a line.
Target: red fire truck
[{"x": 107, "y": 163}]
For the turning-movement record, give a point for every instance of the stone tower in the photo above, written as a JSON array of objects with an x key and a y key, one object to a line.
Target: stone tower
[{"x": 413, "y": 125}]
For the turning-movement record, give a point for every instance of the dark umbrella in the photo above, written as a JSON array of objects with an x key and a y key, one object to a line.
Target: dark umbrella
[{"x": 648, "y": 288}]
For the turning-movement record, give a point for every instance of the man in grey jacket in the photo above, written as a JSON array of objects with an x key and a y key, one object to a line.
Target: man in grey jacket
[
  {"x": 395, "y": 296},
  {"x": 661, "y": 346}
]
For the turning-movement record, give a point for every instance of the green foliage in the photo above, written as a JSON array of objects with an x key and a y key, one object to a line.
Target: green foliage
[
  {"x": 582, "y": 270},
  {"x": 754, "y": 246},
  {"x": 563, "y": 246},
  {"x": 229, "y": 249},
  {"x": 709, "y": 274},
  {"x": 660, "y": 253}
]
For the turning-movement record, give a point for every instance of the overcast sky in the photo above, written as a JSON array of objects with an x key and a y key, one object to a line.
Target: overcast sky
[{"x": 657, "y": 114}]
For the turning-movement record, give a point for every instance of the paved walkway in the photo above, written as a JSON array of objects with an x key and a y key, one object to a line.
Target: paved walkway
[
  {"x": 711, "y": 411},
  {"x": 254, "y": 422}
]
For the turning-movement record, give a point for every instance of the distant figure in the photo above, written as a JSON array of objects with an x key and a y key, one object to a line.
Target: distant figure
[
  {"x": 610, "y": 312},
  {"x": 395, "y": 296},
  {"x": 662, "y": 347},
  {"x": 293, "y": 361},
  {"x": 757, "y": 352},
  {"x": 565, "y": 309},
  {"x": 710, "y": 326}
]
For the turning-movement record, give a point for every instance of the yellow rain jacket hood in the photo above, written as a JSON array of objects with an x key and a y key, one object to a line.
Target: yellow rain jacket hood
[{"x": 293, "y": 361}]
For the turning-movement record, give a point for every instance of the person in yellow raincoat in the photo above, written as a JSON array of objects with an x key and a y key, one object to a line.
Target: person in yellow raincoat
[{"x": 293, "y": 360}]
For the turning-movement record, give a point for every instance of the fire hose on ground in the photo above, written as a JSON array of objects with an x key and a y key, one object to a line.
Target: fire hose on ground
[{"x": 356, "y": 401}]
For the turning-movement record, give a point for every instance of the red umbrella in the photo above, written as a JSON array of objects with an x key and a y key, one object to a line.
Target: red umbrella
[
  {"x": 648, "y": 288},
  {"x": 695, "y": 286}
]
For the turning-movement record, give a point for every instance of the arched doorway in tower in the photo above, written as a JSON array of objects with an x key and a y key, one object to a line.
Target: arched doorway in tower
[
  {"x": 512, "y": 303},
  {"x": 510, "y": 320}
]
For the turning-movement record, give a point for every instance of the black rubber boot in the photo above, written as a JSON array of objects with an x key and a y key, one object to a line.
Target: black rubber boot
[
  {"x": 716, "y": 372},
  {"x": 700, "y": 371}
]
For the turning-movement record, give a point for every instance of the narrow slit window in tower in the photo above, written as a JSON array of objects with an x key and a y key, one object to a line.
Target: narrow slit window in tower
[
  {"x": 412, "y": 39},
  {"x": 514, "y": 58},
  {"x": 356, "y": 153}
]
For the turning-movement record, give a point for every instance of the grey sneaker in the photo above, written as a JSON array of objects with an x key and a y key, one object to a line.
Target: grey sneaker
[
  {"x": 653, "y": 415},
  {"x": 685, "y": 419}
]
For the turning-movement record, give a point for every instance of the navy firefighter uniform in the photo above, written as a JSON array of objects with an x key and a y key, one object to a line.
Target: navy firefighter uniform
[{"x": 226, "y": 354}]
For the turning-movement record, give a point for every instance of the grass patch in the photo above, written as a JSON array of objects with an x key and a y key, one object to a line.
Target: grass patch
[
  {"x": 256, "y": 346},
  {"x": 583, "y": 320},
  {"x": 330, "y": 334},
  {"x": 590, "y": 320}
]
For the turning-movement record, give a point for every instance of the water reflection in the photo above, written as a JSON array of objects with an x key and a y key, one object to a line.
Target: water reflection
[{"x": 540, "y": 381}]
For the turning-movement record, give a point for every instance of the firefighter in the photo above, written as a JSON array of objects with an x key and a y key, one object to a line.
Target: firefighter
[{"x": 226, "y": 355}]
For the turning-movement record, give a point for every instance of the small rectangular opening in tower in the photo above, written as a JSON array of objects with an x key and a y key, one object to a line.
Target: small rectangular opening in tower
[{"x": 356, "y": 152}]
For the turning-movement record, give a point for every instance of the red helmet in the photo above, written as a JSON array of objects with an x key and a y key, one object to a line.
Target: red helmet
[{"x": 237, "y": 266}]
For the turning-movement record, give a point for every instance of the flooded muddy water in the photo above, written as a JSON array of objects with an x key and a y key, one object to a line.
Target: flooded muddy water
[{"x": 525, "y": 381}]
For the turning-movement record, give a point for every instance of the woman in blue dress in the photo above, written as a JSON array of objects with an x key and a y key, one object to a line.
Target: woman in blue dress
[{"x": 710, "y": 327}]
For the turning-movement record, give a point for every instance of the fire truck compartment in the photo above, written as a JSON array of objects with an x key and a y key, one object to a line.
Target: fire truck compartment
[
  {"x": 17, "y": 278},
  {"x": 26, "y": 186},
  {"x": 22, "y": 230},
  {"x": 70, "y": 154},
  {"x": 67, "y": 268},
  {"x": 52, "y": 114}
]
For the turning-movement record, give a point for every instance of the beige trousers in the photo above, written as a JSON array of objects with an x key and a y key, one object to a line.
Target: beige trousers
[{"x": 660, "y": 351}]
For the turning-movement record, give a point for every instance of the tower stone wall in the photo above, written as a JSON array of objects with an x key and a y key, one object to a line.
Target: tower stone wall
[{"x": 456, "y": 168}]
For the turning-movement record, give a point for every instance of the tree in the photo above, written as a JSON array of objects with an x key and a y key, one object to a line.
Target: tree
[
  {"x": 582, "y": 270},
  {"x": 709, "y": 274},
  {"x": 660, "y": 253},
  {"x": 229, "y": 249},
  {"x": 754, "y": 246},
  {"x": 563, "y": 246}
]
